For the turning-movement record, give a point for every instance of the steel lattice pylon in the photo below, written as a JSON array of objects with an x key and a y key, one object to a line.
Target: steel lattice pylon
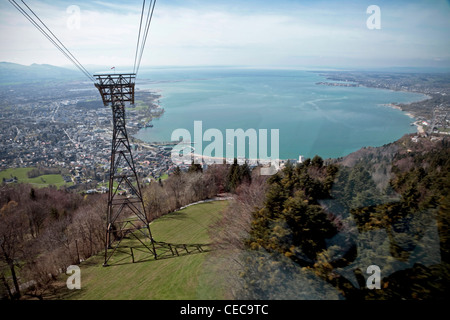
[{"x": 126, "y": 213}]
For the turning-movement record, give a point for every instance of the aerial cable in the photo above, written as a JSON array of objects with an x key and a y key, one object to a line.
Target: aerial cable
[
  {"x": 139, "y": 36},
  {"x": 66, "y": 52},
  {"x": 151, "y": 9},
  {"x": 149, "y": 20},
  {"x": 140, "y": 46},
  {"x": 141, "y": 39},
  {"x": 21, "y": 10},
  {"x": 37, "y": 26}
]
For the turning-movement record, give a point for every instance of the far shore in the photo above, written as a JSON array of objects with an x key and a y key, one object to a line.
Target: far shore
[
  {"x": 394, "y": 106},
  {"x": 420, "y": 129}
]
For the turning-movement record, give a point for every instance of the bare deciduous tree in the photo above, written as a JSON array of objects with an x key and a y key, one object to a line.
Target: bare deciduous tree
[
  {"x": 11, "y": 240},
  {"x": 230, "y": 232}
]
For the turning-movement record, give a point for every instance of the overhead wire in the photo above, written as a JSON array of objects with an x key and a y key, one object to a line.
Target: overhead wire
[
  {"x": 149, "y": 17},
  {"x": 140, "y": 45},
  {"x": 139, "y": 37},
  {"x": 75, "y": 59},
  {"x": 54, "y": 40}
]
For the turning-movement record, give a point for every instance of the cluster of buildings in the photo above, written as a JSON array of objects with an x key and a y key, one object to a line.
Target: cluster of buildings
[{"x": 75, "y": 136}]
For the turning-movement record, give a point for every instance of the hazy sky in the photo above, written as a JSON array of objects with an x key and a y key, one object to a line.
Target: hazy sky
[{"x": 281, "y": 33}]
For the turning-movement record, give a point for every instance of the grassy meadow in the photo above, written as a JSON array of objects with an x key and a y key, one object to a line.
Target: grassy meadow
[{"x": 170, "y": 277}]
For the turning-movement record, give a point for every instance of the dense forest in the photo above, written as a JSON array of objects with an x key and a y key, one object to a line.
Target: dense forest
[{"x": 315, "y": 230}]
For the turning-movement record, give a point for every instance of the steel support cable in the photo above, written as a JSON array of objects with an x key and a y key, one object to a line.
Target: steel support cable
[
  {"x": 67, "y": 50},
  {"x": 149, "y": 19},
  {"x": 139, "y": 36},
  {"x": 151, "y": 9},
  {"x": 37, "y": 26},
  {"x": 141, "y": 39}
]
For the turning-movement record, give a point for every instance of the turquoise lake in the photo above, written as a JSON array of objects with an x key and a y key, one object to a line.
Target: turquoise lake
[{"x": 312, "y": 119}]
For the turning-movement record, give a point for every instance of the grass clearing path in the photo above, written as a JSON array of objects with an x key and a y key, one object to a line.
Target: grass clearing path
[{"x": 184, "y": 277}]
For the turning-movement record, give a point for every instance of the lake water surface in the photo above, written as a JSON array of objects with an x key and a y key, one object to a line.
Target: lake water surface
[{"x": 312, "y": 119}]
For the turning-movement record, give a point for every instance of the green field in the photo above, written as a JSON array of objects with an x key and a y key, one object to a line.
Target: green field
[
  {"x": 164, "y": 177},
  {"x": 20, "y": 173},
  {"x": 39, "y": 182},
  {"x": 183, "y": 277}
]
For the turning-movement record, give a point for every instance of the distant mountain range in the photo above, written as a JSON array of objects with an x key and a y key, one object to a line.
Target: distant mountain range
[{"x": 12, "y": 73}]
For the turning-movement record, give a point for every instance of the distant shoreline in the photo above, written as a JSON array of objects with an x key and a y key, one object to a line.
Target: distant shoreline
[
  {"x": 361, "y": 83},
  {"x": 409, "y": 114},
  {"x": 394, "y": 106}
]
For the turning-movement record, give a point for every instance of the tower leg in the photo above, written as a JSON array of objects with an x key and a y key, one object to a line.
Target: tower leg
[
  {"x": 116, "y": 90},
  {"x": 123, "y": 175}
]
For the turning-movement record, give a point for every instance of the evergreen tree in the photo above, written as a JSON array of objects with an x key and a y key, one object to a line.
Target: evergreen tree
[
  {"x": 293, "y": 226},
  {"x": 33, "y": 194},
  {"x": 233, "y": 177},
  {"x": 292, "y": 222},
  {"x": 317, "y": 162},
  {"x": 177, "y": 171},
  {"x": 195, "y": 167},
  {"x": 245, "y": 173}
]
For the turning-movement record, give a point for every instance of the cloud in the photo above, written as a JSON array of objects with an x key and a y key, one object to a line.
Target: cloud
[{"x": 233, "y": 33}]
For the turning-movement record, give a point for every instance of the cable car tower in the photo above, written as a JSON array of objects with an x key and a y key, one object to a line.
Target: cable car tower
[
  {"x": 116, "y": 91},
  {"x": 126, "y": 213}
]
